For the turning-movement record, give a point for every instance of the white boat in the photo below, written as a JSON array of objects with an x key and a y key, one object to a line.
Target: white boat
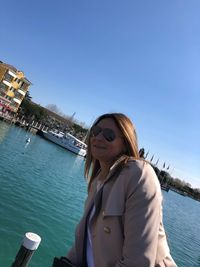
[{"x": 67, "y": 141}]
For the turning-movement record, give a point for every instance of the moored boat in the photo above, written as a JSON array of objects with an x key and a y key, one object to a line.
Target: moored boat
[
  {"x": 165, "y": 187},
  {"x": 67, "y": 141}
]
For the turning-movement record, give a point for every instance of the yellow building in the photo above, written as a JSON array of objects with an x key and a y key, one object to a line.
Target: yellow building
[{"x": 13, "y": 87}]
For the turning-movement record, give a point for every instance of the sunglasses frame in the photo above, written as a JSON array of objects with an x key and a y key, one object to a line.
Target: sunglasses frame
[{"x": 108, "y": 134}]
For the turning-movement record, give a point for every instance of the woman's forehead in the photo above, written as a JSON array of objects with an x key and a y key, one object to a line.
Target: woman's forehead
[{"x": 108, "y": 123}]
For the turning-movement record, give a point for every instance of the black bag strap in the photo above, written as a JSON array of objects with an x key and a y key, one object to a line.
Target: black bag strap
[{"x": 62, "y": 262}]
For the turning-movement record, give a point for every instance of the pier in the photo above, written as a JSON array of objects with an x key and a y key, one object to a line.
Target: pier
[{"x": 32, "y": 126}]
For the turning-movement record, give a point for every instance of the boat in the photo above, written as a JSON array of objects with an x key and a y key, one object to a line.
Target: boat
[
  {"x": 165, "y": 187},
  {"x": 183, "y": 193},
  {"x": 66, "y": 140}
]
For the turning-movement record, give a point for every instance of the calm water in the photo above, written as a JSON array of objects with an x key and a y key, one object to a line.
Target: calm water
[{"x": 42, "y": 190}]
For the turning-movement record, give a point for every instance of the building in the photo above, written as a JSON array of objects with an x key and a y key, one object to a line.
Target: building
[{"x": 13, "y": 87}]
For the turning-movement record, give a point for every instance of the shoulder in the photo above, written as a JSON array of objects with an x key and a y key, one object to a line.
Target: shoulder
[
  {"x": 138, "y": 168},
  {"x": 138, "y": 175}
]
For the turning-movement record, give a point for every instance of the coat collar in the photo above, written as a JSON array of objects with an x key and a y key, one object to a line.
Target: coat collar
[
  {"x": 112, "y": 170},
  {"x": 115, "y": 167}
]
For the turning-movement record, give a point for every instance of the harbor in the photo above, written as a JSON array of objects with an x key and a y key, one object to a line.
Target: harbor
[
  {"x": 71, "y": 141},
  {"x": 65, "y": 140},
  {"x": 64, "y": 66},
  {"x": 43, "y": 191}
]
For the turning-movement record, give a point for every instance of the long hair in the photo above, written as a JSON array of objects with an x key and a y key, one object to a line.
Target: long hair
[{"x": 129, "y": 136}]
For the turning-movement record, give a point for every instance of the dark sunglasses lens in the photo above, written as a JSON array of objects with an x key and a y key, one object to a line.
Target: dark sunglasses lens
[
  {"x": 109, "y": 134},
  {"x": 95, "y": 130}
]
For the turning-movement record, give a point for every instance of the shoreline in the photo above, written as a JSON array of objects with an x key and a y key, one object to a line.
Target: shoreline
[{"x": 39, "y": 127}]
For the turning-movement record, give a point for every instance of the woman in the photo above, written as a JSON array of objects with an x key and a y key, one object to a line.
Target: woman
[{"x": 122, "y": 221}]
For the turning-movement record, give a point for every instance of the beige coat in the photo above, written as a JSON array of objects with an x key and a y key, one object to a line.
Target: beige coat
[{"x": 127, "y": 228}]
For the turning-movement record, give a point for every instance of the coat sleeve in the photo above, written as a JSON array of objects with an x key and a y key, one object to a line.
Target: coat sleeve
[
  {"x": 72, "y": 254},
  {"x": 141, "y": 220}
]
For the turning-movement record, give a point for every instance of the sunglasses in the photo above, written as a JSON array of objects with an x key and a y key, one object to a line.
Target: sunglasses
[{"x": 107, "y": 133}]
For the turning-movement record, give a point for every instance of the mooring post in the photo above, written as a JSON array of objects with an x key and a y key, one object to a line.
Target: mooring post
[{"x": 29, "y": 245}]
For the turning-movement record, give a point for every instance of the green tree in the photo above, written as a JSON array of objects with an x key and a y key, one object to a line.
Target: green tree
[
  {"x": 28, "y": 96},
  {"x": 33, "y": 111}
]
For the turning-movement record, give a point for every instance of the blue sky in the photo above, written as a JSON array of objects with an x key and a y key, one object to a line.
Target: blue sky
[{"x": 141, "y": 58}]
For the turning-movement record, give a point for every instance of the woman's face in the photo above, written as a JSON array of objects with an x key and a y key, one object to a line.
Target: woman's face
[{"x": 103, "y": 147}]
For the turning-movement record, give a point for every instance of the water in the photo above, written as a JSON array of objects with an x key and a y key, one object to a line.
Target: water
[{"x": 42, "y": 190}]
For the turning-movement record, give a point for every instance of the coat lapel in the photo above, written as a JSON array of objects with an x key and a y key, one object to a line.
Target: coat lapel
[
  {"x": 115, "y": 167},
  {"x": 95, "y": 198}
]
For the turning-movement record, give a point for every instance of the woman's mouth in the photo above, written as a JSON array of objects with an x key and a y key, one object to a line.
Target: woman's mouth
[{"x": 99, "y": 147}]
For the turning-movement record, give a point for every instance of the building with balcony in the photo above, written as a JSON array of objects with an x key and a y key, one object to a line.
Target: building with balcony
[{"x": 13, "y": 87}]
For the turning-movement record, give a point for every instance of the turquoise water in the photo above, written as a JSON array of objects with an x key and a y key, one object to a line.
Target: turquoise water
[{"x": 42, "y": 190}]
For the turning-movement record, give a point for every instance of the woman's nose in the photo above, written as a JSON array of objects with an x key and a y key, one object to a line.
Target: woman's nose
[{"x": 99, "y": 135}]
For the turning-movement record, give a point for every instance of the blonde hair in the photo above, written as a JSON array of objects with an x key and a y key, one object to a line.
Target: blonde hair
[{"x": 129, "y": 136}]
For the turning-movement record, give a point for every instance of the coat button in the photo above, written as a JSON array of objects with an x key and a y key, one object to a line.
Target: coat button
[{"x": 107, "y": 230}]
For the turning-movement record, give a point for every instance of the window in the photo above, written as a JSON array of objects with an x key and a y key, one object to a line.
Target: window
[
  {"x": 18, "y": 81},
  {"x": 24, "y": 87},
  {"x": 3, "y": 86},
  {"x": 8, "y": 97},
  {"x": 18, "y": 96},
  {"x": 14, "y": 104},
  {"x": 8, "y": 77},
  {"x": 2, "y": 94}
]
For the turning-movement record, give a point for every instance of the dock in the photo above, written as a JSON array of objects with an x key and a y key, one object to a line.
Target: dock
[{"x": 33, "y": 127}]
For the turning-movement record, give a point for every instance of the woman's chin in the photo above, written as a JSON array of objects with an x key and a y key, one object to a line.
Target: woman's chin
[{"x": 98, "y": 156}]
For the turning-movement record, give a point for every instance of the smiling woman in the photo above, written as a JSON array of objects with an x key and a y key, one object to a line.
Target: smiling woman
[
  {"x": 119, "y": 138},
  {"x": 122, "y": 222},
  {"x": 106, "y": 143}
]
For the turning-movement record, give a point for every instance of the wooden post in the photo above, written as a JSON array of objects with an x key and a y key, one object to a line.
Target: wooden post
[{"x": 29, "y": 245}]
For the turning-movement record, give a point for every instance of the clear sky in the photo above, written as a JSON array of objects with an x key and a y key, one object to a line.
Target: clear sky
[{"x": 141, "y": 58}]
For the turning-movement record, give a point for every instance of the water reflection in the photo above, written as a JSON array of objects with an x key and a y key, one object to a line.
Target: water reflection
[
  {"x": 4, "y": 127},
  {"x": 77, "y": 164}
]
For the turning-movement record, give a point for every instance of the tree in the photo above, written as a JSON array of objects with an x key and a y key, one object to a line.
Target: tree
[
  {"x": 28, "y": 96},
  {"x": 33, "y": 111},
  {"x": 54, "y": 108}
]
